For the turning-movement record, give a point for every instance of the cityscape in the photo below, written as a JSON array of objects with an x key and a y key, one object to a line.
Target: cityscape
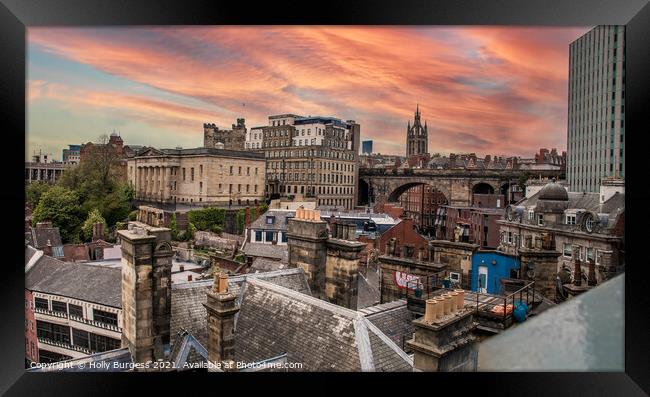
[{"x": 286, "y": 241}]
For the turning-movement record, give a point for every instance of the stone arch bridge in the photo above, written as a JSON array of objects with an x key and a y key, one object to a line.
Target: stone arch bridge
[{"x": 458, "y": 186}]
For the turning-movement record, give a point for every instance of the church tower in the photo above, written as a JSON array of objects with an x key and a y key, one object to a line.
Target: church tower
[{"x": 417, "y": 141}]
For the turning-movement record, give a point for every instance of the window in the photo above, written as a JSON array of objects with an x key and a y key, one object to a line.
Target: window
[
  {"x": 60, "y": 307},
  {"x": 531, "y": 215},
  {"x": 100, "y": 343},
  {"x": 570, "y": 219},
  {"x": 53, "y": 332},
  {"x": 41, "y": 303},
  {"x": 201, "y": 170},
  {"x": 590, "y": 254},
  {"x": 75, "y": 310},
  {"x": 258, "y": 235},
  {"x": 192, "y": 174},
  {"x": 284, "y": 238},
  {"x": 231, "y": 170},
  {"x": 80, "y": 338},
  {"x": 183, "y": 173},
  {"x": 105, "y": 317},
  {"x": 567, "y": 251},
  {"x": 270, "y": 220},
  {"x": 540, "y": 219},
  {"x": 269, "y": 236}
]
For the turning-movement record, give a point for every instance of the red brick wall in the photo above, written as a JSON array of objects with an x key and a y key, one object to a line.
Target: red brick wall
[
  {"x": 404, "y": 234},
  {"x": 31, "y": 341}
]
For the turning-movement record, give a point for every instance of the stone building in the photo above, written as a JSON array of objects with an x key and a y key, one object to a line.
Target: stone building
[
  {"x": 568, "y": 226},
  {"x": 232, "y": 139},
  {"x": 74, "y": 309},
  {"x": 417, "y": 140},
  {"x": 201, "y": 176},
  {"x": 312, "y": 157}
]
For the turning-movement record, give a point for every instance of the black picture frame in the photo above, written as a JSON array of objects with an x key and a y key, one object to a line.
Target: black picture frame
[{"x": 17, "y": 15}]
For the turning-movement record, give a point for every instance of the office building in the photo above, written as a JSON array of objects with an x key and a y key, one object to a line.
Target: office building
[{"x": 596, "y": 125}]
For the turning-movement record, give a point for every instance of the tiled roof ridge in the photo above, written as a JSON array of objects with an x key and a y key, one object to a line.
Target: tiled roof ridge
[
  {"x": 382, "y": 308},
  {"x": 351, "y": 314},
  {"x": 364, "y": 348},
  {"x": 239, "y": 277}
]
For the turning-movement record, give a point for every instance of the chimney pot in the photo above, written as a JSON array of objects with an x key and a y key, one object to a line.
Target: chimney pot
[
  {"x": 222, "y": 287},
  {"x": 431, "y": 311}
]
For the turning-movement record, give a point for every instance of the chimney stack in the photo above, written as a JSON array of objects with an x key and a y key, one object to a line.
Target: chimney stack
[
  {"x": 98, "y": 231},
  {"x": 146, "y": 292},
  {"x": 591, "y": 276},
  {"x": 221, "y": 308},
  {"x": 577, "y": 273}
]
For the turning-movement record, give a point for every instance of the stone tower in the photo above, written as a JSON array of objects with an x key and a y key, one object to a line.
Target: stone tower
[
  {"x": 417, "y": 141},
  {"x": 233, "y": 139},
  {"x": 146, "y": 291}
]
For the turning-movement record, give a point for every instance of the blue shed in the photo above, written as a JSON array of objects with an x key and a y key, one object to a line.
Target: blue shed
[{"x": 489, "y": 267}]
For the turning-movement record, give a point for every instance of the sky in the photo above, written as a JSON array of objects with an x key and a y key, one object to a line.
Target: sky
[{"x": 488, "y": 90}]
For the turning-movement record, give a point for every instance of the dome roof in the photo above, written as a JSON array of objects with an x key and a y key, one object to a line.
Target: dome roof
[{"x": 553, "y": 191}]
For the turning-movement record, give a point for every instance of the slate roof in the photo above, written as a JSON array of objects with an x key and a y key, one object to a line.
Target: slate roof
[
  {"x": 272, "y": 251},
  {"x": 40, "y": 237},
  {"x": 279, "y": 223},
  {"x": 266, "y": 265},
  {"x": 200, "y": 151},
  {"x": 274, "y": 320},
  {"x": 90, "y": 283},
  {"x": 188, "y": 312},
  {"x": 393, "y": 319}
]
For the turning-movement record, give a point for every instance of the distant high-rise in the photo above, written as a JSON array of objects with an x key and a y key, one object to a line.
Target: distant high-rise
[
  {"x": 416, "y": 136},
  {"x": 596, "y": 125},
  {"x": 366, "y": 147}
]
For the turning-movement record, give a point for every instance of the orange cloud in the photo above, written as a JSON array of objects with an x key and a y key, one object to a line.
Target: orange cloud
[{"x": 504, "y": 86}]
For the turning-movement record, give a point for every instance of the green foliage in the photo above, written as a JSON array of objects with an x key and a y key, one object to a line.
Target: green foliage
[
  {"x": 523, "y": 178},
  {"x": 174, "y": 227},
  {"x": 191, "y": 229},
  {"x": 94, "y": 216},
  {"x": 133, "y": 215},
  {"x": 207, "y": 218},
  {"x": 60, "y": 206},
  {"x": 34, "y": 191},
  {"x": 262, "y": 209},
  {"x": 241, "y": 217},
  {"x": 217, "y": 229},
  {"x": 120, "y": 225},
  {"x": 97, "y": 182}
]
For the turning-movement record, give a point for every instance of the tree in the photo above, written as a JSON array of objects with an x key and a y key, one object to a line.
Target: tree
[
  {"x": 523, "y": 178},
  {"x": 98, "y": 182},
  {"x": 60, "y": 206},
  {"x": 94, "y": 216},
  {"x": 174, "y": 227},
  {"x": 34, "y": 191},
  {"x": 241, "y": 217}
]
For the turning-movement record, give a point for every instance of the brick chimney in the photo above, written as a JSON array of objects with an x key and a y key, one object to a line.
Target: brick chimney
[
  {"x": 98, "y": 231},
  {"x": 146, "y": 291},
  {"x": 577, "y": 271},
  {"x": 591, "y": 276},
  {"x": 221, "y": 308}
]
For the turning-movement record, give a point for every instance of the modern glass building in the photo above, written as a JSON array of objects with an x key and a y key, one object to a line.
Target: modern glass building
[
  {"x": 596, "y": 124},
  {"x": 366, "y": 147}
]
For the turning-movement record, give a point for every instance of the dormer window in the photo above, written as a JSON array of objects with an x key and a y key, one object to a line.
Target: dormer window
[
  {"x": 540, "y": 219},
  {"x": 570, "y": 219},
  {"x": 270, "y": 220},
  {"x": 531, "y": 215}
]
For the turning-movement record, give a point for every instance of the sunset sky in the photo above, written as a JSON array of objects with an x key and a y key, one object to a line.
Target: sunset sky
[{"x": 488, "y": 90}]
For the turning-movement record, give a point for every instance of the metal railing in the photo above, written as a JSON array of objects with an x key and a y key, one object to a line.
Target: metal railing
[
  {"x": 421, "y": 288},
  {"x": 64, "y": 345}
]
